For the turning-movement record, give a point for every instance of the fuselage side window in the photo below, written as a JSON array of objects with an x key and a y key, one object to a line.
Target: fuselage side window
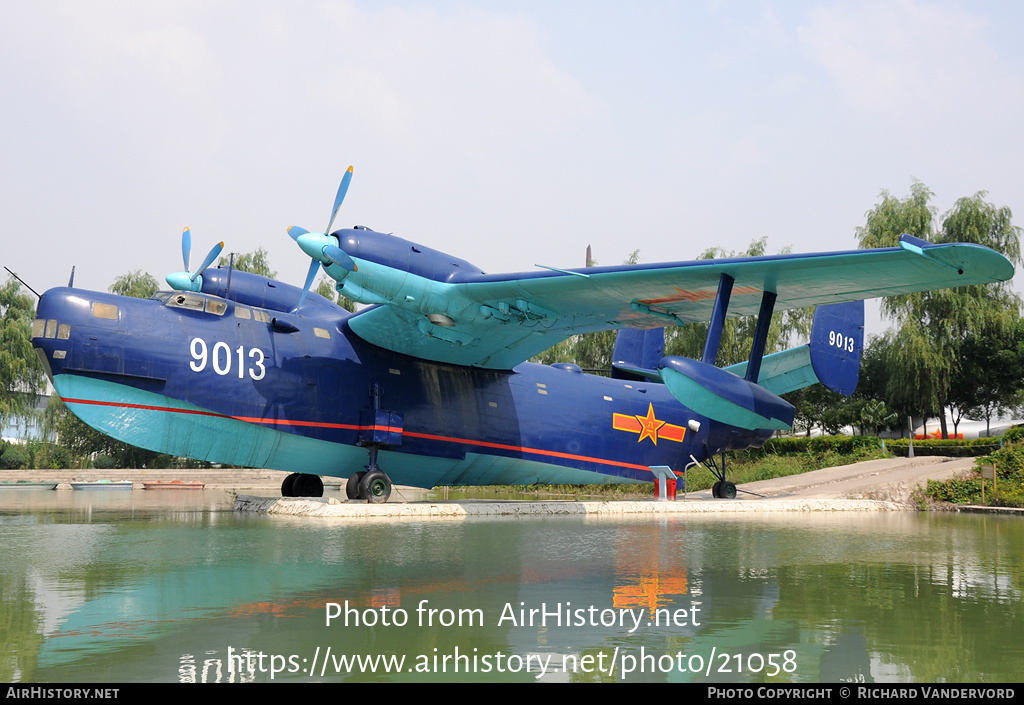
[
  {"x": 102, "y": 310},
  {"x": 242, "y": 312}
]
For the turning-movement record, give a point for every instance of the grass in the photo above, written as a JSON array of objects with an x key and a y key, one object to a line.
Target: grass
[{"x": 741, "y": 468}]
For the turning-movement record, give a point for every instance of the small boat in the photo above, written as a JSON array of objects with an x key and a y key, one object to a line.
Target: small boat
[
  {"x": 28, "y": 485},
  {"x": 102, "y": 485},
  {"x": 173, "y": 485}
]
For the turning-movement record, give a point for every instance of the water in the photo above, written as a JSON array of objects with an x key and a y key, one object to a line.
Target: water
[{"x": 174, "y": 587}]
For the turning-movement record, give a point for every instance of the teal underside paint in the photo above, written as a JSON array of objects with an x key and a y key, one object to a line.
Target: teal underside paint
[{"x": 163, "y": 424}]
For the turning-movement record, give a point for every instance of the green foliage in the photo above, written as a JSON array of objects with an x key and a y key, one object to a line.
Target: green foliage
[
  {"x": 801, "y": 445},
  {"x": 948, "y": 448},
  {"x": 136, "y": 283},
  {"x": 893, "y": 217},
  {"x": 818, "y": 407},
  {"x": 255, "y": 262},
  {"x": 936, "y": 333},
  {"x": 1014, "y": 434},
  {"x": 876, "y": 416},
  {"x": 21, "y": 375},
  {"x": 1009, "y": 464},
  {"x": 955, "y": 491},
  {"x": 104, "y": 462},
  {"x": 14, "y": 458},
  {"x": 325, "y": 287}
]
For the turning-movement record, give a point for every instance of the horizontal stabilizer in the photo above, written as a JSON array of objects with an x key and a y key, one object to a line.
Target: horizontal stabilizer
[{"x": 783, "y": 372}]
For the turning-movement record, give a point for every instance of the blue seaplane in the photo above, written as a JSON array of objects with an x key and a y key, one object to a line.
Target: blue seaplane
[{"x": 429, "y": 383}]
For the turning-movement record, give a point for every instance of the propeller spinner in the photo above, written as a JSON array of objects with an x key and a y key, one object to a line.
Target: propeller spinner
[
  {"x": 189, "y": 281},
  {"x": 323, "y": 248}
]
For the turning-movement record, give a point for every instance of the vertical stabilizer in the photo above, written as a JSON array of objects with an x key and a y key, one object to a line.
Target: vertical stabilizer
[
  {"x": 837, "y": 339},
  {"x": 637, "y": 349}
]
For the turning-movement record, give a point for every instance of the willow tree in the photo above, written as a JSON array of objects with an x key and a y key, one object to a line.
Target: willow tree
[
  {"x": 327, "y": 289},
  {"x": 255, "y": 262},
  {"x": 21, "y": 376},
  {"x": 931, "y": 327},
  {"x": 138, "y": 284}
]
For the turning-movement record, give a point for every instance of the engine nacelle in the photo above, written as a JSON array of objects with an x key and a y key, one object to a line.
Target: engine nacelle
[
  {"x": 390, "y": 270},
  {"x": 723, "y": 396}
]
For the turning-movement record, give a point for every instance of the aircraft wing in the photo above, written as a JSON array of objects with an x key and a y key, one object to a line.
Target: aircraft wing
[{"x": 499, "y": 321}]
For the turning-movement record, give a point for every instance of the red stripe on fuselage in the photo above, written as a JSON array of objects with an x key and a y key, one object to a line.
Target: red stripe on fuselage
[{"x": 357, "y": 427}]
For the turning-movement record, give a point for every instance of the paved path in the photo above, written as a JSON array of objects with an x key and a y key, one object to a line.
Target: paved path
[{"x": 889, "y": 478}]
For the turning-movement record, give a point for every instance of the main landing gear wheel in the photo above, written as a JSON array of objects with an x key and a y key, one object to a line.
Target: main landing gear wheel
[
  {"x": 302, "y": 485},
  {"x": 375, "y": 487},
  {"x": 286, "y": 486},
  {"x": 726, "y": 490},
  {"x": 352, "y": 486}
]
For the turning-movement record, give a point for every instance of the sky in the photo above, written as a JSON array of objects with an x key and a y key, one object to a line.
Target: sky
[{"x": 509, "y": 134}]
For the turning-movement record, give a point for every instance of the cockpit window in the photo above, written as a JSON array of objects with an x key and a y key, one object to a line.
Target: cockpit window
[
  {"x": 192, "y": 302},
  {"x": 216, "y": 306},
  {"x": 197, "y": 302}
]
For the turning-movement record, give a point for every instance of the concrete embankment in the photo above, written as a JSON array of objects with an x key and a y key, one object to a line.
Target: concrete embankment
[
  {"x": 876, "y": 485},
  {"x": 215, "y": 479},
  {"x": 460, "y": 509}
]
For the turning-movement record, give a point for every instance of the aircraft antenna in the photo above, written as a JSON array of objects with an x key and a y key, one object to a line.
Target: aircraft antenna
[{"x": 23, "y": 283}]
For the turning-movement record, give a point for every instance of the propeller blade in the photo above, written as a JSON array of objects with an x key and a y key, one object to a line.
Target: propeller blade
[
  {"x": 342, "y": 190},
  {"x": 314, "y": 267},
  {"x": 186, "y": 245},
  {"x": 295, "y": 231},
  {"x": 209, "y": 260},
  {"x": 339, "y": 257}
]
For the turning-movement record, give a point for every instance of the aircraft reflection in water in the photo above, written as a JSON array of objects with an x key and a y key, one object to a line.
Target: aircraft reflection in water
[
  {"x": 429, "y": 386},
  {"x": 834, "y": 589}
]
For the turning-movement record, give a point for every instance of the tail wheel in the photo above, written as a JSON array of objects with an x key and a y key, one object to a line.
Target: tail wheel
[
  {"x": 727, "y": 490},
  {"x": 375, "y": 487}
]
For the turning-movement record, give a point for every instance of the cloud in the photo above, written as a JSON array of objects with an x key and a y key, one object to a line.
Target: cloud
[
  {"x": 900, "y": 57},
  {"x": 169, "y": 113}
]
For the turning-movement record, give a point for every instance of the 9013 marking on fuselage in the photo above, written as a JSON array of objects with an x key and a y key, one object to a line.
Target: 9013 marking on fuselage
[{"x": 220, "y": 359}]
